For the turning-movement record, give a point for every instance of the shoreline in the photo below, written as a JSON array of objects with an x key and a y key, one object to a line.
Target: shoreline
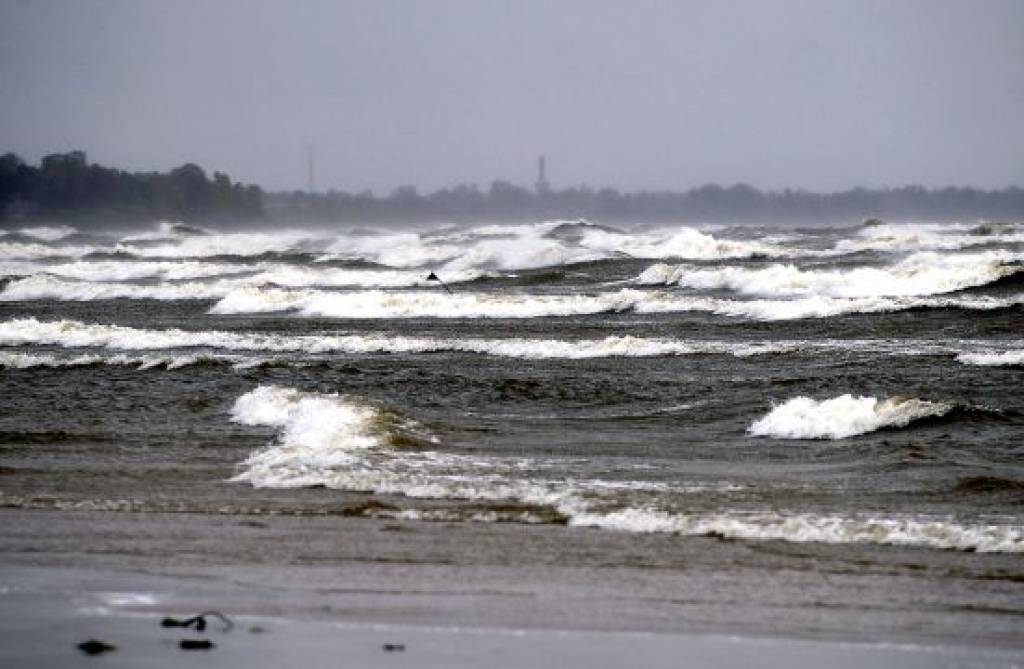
[
  {"x": 43, "y": 628},
  {"x": 333, "y": 570}
]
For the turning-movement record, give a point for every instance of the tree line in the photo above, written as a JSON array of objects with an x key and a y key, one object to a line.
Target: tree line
[
  {"x": 65, "y": 186},
  {"x": 712, "y": 203}
]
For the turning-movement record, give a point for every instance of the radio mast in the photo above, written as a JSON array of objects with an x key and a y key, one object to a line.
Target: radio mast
[
  {"x": 542, "y": 178},
  {"x": 309, "y": 166}
]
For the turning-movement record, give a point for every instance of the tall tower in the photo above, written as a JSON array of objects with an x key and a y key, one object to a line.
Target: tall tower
[
  {"x": 309, "y": 166},
  {"x": 542, "y": 181}
]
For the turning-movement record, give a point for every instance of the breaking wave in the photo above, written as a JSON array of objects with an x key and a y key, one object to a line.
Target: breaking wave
[
  {"x": 993, "y": 359},
  {"x": 843, "y": 416},
  {"x": 76, "y": 334},
  {"x": 487, "y": 247},
  {"x": 46, "y": 287},
  {"x": 50, "y": 287},
  {"x": 805, "y": 527},
  {"x": 919, "y": 274},
  {"x": 907, "y": 237},
  {"x": 423, "y": 304},
  {"x": 48, "y": 233},
  {"x": 15, "y": 360},
  {"x": 344, "y": 443}
]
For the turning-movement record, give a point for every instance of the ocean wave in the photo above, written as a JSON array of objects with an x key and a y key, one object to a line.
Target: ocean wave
[
  {"x": 548, "y": 244},
  {"x": 911, "y": 237},
  {"x": 482, "y": 248},
  {"x": 48, "y": 233},
  {"x": 993, "y": 358},
  {"x": 16, "y": 360},
  {"x": 423, "y": 304},
  {"x": 76, "y": 334},
  {"x": 240, "y": 244},
  {"x": 345, "y": 443},
  {"x": 257, "y": 274},
  {"x": 167, "y": 230},
  {"x": 48, "y": 287},
  {"x": 107, "y": 271},
  {"x": 805, "y": 527},
  {"x": 244, "y": 294},
  {"x": 502, "y": 247},
  {"x": 843, "y": 416},
  {"x": 917, "y": 275},
  {"x": 18, "y": 250}
]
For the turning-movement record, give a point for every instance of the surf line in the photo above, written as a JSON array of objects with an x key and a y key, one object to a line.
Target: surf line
[{"x": 435, "y": 277}]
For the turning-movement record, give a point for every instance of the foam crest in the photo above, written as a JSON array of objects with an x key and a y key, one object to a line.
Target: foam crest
[
  {"x": 919, "y": 274},
  {"x": 221, "y": 244},
  {"x": 48, "y": 287},
  {"x": 48, "y": 233},
  {"x": 292, "y": 276},
  {"x": 74, "y": 334},
  {"x": 318, "y": 433},
  {"x": 547, "y": 244},
  {"x": 911, "y": 237},
  {"x": 16, "y": 360},
  {"x": 127, "y": 270},
  {"x": 166, "y": 230},
  {"x": 46, "y": 282},
  {"x": 343, "y": 443},
  {"x": 993, "y": 359},
  {"x": 422, "y": 304},
  {"x": 15, "y": 250},
  {"x": 685, "y": 243},
  {"x": 843, "y": 416},
  {"x": 802, "y": 528}
]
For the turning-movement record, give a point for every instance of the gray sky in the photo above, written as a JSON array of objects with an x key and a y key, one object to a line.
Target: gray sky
[{"x": 632, "y": 94}]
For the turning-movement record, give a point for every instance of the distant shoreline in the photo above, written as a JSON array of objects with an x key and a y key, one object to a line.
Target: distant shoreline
[{"x": 66, "y": 188}]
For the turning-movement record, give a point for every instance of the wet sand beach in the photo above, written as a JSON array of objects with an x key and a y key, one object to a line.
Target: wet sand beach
[{"x": 486, "y": 594}]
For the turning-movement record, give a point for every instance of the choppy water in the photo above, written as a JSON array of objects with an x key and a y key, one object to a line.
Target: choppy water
[{"x": 837, "y": 385}]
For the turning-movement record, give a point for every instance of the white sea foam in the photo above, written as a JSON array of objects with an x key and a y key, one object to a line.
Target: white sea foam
[
  {"x": 344, "y": 443},
  {"x": 223, "y": 244},
  {"x": 502, "y": 247},
  {"x": 911, "y": 237},
  {"x": 993, "y": 358},
  {"x": 76, "y": 334},
  {"x": 166, "y": 230},
  {"x": 48, "y": 287},
  {"x": 423, "y": 304},
  {"x": 843, "y": 416},
  {"x": 129, "y": 270},
  {"x": 489, "y": 247},
  {"x": 48, "y": 233},
  {"x": 112, "y": 271},
  {"x": 919, "y": 274},
  {"x": 805, "y": 527},
  {"x": 12, "y": 250},
  {"x": 684, "y": 242},
  {"x": 17, "y": 360},
  {"x": 296, "y": 277}
]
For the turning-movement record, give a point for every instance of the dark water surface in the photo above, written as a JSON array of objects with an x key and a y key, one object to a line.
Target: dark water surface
[{"x": 852, "y": 387}]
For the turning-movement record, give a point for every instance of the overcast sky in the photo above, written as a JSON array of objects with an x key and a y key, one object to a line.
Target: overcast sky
[{"x": 631, "y": 94}]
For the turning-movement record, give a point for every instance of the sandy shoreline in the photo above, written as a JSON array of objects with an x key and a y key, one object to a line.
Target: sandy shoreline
[
  {"x": 43, "y": 632},
  {"x": 464, "y": 594}
]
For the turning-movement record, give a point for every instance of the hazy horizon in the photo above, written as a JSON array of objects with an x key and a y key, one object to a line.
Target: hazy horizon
[{"x": 649, "y": 96}]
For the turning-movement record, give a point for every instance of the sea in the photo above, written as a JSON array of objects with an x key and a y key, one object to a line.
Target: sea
[{"x": 856, "y": 385}]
